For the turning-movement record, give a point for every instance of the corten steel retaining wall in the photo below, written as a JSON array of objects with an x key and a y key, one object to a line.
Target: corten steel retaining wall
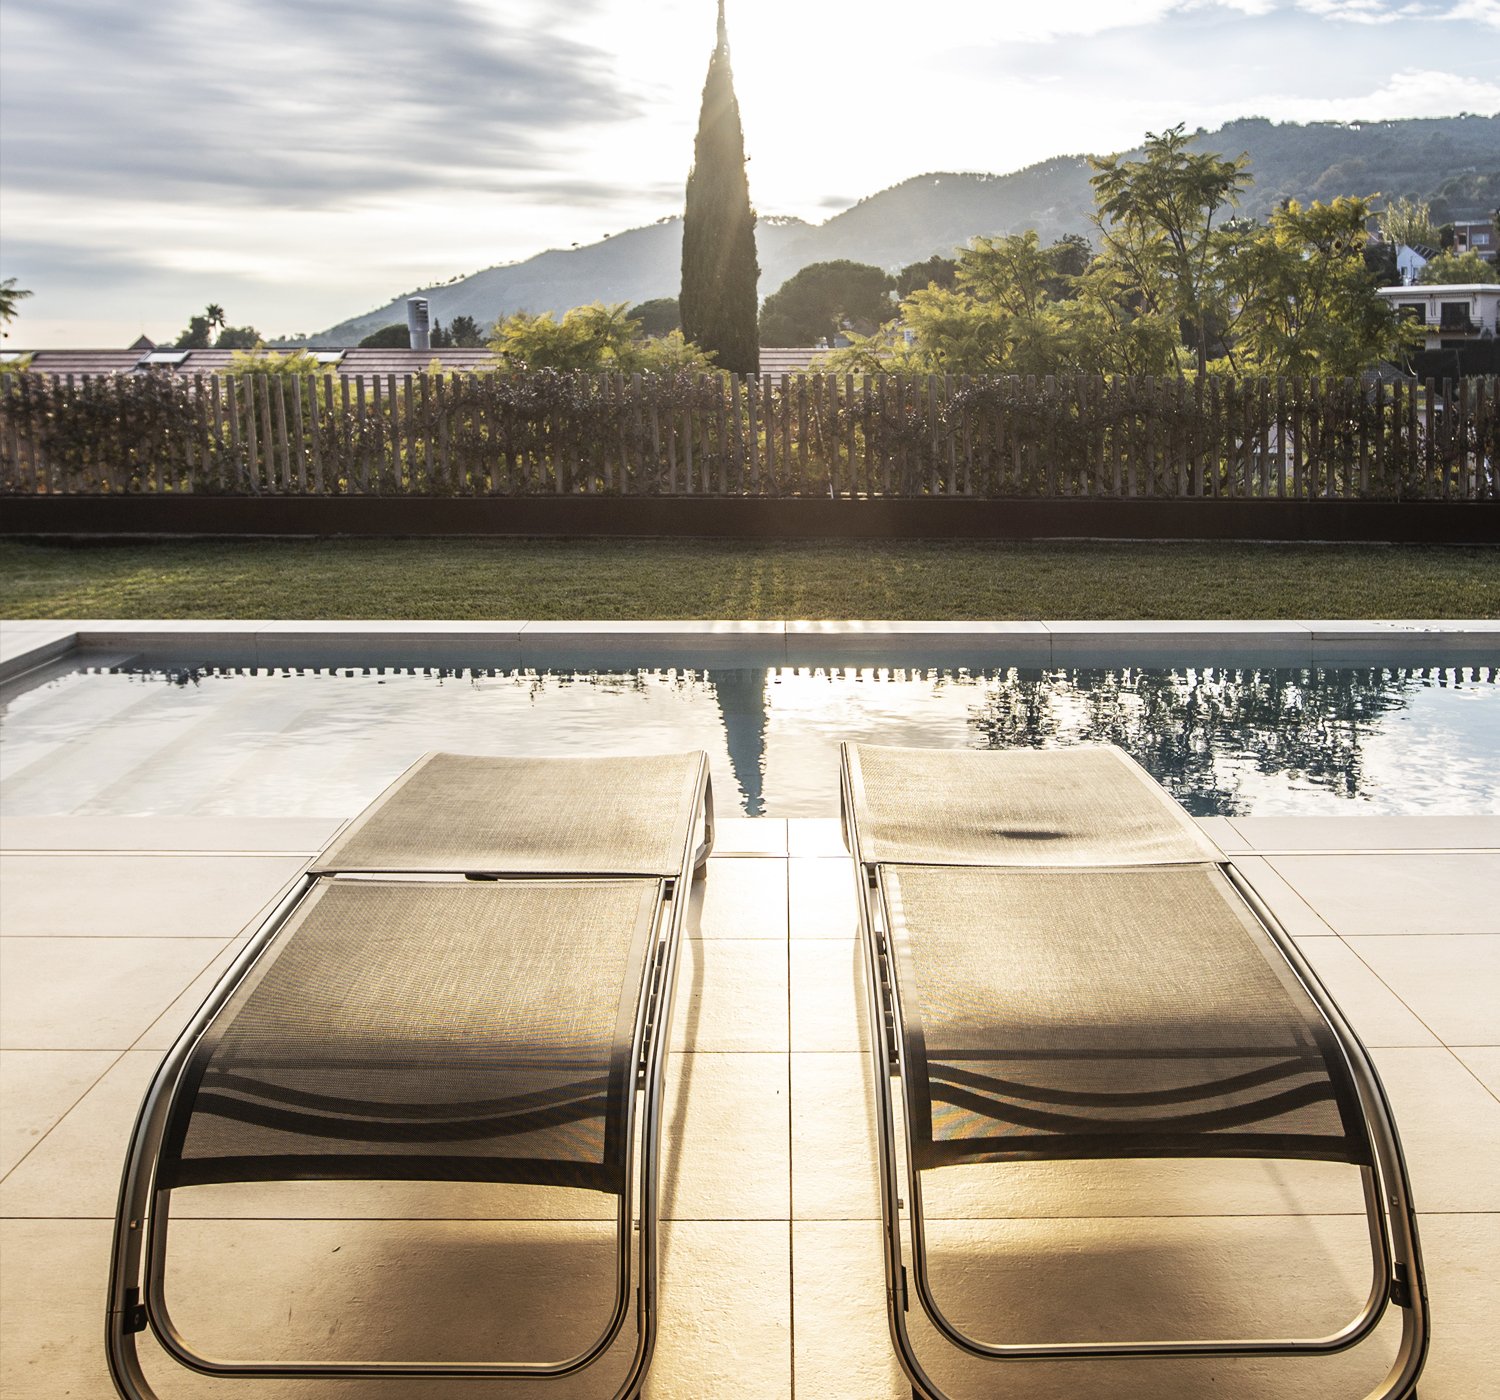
[{"x": 1437, "y": 522}]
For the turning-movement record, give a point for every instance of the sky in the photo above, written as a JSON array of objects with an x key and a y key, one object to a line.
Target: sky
[{"x": 302, "y": 163}]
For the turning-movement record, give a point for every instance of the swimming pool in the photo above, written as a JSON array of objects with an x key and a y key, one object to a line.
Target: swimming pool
[{"x": 183, "y": 739}]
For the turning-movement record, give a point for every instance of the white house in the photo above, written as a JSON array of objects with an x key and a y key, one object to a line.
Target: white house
[
  {"x": 1453, "y": 316},
  {"x": 1410, "y": 260}
]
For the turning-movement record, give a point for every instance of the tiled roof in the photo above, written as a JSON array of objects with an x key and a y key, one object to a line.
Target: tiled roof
[
  {"x": 368, "y": 362},
  {"x": 788, "y": 360},
  {"x": 60, "y": 362},
  {"x": 774, "y": 361}
]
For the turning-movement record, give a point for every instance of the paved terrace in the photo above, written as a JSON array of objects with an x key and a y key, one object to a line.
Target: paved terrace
[{"x": 114, "y": 929}]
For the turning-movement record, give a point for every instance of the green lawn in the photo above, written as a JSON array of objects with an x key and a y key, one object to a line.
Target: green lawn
[{"x": 652, "y": 579}]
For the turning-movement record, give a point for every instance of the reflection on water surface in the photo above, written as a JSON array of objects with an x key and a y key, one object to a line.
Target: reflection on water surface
[{"x": 304, "y": 742}]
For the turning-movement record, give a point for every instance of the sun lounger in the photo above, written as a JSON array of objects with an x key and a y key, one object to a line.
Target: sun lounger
[
  {"x": 472, "y": 983},
  {"x": 1062, "y": 966}
]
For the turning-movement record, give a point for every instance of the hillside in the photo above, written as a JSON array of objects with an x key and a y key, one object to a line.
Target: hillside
[{"x": 1452, "y": 158}]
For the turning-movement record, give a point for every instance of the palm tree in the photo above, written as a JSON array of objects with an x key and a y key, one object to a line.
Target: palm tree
[
  {"x": 10, "y": 294},
  {"x": 213, "y": 313}
]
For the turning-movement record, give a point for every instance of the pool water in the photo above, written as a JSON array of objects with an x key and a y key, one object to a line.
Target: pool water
[{"x": 230, "y": 742}]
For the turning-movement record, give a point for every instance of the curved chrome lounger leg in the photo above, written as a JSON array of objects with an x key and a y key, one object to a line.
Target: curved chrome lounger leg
[
  {"x": 140, "y": 1236},
  {"x": 1388, "y": 1187}
]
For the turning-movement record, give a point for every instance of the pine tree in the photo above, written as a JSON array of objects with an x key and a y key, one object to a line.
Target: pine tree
[{"x": 719, "y": 270}]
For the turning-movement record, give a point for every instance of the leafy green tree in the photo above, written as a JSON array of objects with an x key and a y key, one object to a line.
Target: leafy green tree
[
  {"x": 465, "y": 332},
  {"x": 659, "y": 316},
  {"x": 392, "y": 337},
  {"x": 936, "y": 271},
  {"x": 595, "y": 337},
  {"x": 10, "y": 294},
  {"x": 1458, "y": 270},
  {"x": 1071, "y": 255},
  {"x": 238, "y": 338},
  {"x": 823, "y": 299},
  {"x": 719, "y": 270},
  {"x": 1305, "y": 304},
  {"x": 1012, "y": 310},
  {"x": 289, "y": 363},
  {"x": 438, "y": 338},
  {"x": 1408, "y": 221},
  {"x": 1156, "y": 219},
  {"x": 197, "y": 336}
]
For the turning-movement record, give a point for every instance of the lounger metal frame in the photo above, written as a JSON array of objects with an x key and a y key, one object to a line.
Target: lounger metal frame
[
  {"x": 1396, "y": 1258},
  {"x": 137, "y": 1284}
]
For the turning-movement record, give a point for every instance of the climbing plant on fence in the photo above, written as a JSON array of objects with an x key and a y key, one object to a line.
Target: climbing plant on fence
[{"x": 552, "y": 433}]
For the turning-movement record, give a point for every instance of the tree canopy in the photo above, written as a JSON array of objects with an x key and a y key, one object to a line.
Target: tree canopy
[
  {"x": 395, "y": 336},
  {"x": 595, "y": 337},
  {"x": 1156, "y": 218},
  {"x": 465, "y": 333},
  {"x": 10, "y": 294},
  {"x": 659, "y": 316},
  {"x": 1408, "y": 221},
  {"x": 823, "y": 299},
  {"x": 1458, "y": 270},
  {"x": 719, "y": 271},
  {"x": 1177, "y": 286}
]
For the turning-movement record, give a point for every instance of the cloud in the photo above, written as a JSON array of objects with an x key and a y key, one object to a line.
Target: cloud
[
  {"x": 279, "y": 101},
  {"x": 1477, "y": 11}
]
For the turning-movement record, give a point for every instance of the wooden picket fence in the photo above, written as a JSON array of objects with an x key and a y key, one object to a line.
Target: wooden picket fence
[{"x": 822, "y": 435}]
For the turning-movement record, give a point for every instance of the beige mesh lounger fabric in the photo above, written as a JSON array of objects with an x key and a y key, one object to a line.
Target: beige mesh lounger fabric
[
  {"x": 472, "y": 982},
  {"x": 1061, "y": 965}
]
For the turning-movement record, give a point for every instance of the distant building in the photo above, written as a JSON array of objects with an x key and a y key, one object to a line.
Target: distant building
[
  {"x": 1411, "y": 260},
  {"x": 1476, "y": 236},
  {"x": 1453, "y": 317}
]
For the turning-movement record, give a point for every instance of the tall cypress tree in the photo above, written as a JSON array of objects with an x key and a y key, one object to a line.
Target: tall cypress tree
[{"x": 719, "y": 270}]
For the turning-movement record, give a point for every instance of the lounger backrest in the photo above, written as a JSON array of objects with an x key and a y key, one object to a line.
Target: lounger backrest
[
  {"x": 1085, "y": 806},
  {"x": 526, "y": 816},
  {"x": 438, "y": 1027},
  {"x": 1076, "y": 975}
]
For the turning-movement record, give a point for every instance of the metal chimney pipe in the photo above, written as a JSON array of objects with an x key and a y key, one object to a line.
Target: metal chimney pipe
[{"x": 418, "y": 326}]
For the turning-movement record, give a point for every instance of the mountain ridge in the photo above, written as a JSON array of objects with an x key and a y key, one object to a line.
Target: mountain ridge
[{"x": 938, "y": 211}]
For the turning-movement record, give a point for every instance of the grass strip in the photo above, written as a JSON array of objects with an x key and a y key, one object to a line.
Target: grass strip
[{"x": 622, "y": 580}]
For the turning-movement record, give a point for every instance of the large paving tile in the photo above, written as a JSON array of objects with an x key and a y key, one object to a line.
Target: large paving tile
[
  {"x": 75, "y": 1170},
  {"x": 843, "y": 1349},
  {"x": 834, "y": 1165},
  {"x": 302, "y": 836},
  {"x": 828, "y": 996},
  {"x": 726, "y": 1312},
  {"x": 1293, "y": 912},
  {"x": 817, "y": 837},
  {"x": 1396, "y": 893},
  {"x": 731, "y": 995},
  {"x": 52, "y": 1293},
  {"x": 1483, "y": 1062},
  {"x": 1039, "y": 1275},
  {"x": 139, "y": 896},
  {"x": 163, "y": 1031},
  {"x": 822, "y": 899},
  {"x": 750, "y": 836},
  {"x": 1463, "y": 1284},
  {"x": 1377, "y": 1013},
  {"x": 387, "y": 1287},
  {"x": 1452, "y": 982},
  {"x": 740, "y": 898},
  {"x": 1366, "y": 833},
  {"x": 1222, "y": 833},
  {"x": 726, "y": 1152},
  {"x": 92, "y": 993},
  {"x": 1450, "y": 1129},
  {"x": 37, "y": 1087}
]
